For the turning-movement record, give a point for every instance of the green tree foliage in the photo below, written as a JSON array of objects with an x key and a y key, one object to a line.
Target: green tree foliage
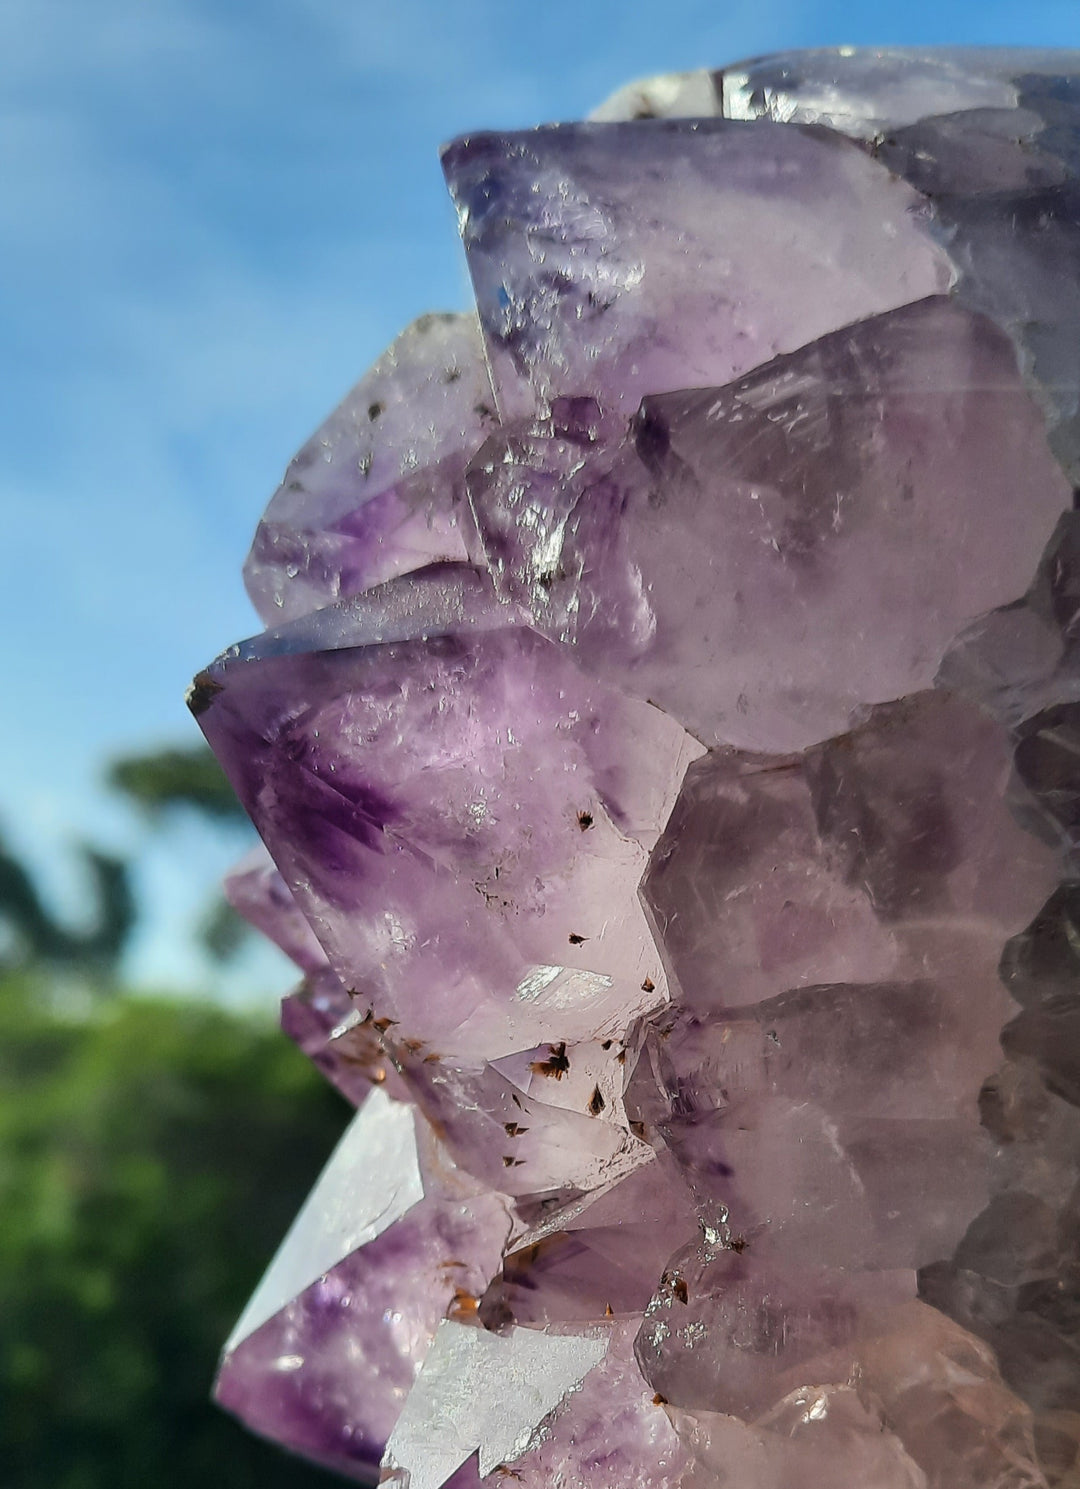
[
  {"x": 177, "y": 777},
  {"x": 34, "y": 935},
  {"x": 162, "y": 780},
  {"x": 222, "y": 932},
  {"x": 153, "y": 1156},
  {"x": 156, "y": 782}
]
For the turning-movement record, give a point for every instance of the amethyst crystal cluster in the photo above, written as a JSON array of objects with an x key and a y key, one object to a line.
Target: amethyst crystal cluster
[{"x": 666, "y": 739}]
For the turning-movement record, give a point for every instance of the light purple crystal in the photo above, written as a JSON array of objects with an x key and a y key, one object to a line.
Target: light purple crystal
[
  {"x": 606, "y": 257},
  {"x": 373, "y": 1308},
  {"x": 722, "y": 562},
  {"x": 257, "y": 891},
  {"x": 377, "y": 492},
  {"x": 667, "y": 748}
]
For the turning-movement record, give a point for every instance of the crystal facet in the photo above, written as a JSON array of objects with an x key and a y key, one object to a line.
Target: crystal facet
[{"x": 666, "y": 747}]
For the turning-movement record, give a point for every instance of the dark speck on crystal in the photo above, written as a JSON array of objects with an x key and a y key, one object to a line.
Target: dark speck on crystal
[{"x": 202, "y": 693}]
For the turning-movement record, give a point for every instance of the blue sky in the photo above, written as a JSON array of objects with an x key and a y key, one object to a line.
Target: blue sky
[{"x": 214, "y": 215}]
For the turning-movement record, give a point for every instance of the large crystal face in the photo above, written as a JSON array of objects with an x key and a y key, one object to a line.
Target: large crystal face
[{"x": 666, "y": 741}]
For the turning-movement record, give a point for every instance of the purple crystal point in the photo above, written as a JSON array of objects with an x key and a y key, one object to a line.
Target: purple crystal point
[
  {"x": 388, "y": 1240},
  {"x": 377, "y": 491},
  {"x": 257, "y": 891},
  {"x": 667, "y": 749},
  {"x": 617, "y": 261}
]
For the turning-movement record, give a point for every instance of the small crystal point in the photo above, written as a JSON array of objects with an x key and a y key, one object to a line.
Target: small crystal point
[{"x": 377, "y": 490}]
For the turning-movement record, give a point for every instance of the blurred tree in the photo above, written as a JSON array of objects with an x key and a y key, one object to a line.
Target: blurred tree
[
  {"x": 153, "y": 1157},
  {"x": 190, "y": 777},
  {"x": 222, "y": 932},
  {"x": 177, "y": 777},
  {"x": 33, "y": 935},
  {"x": 155, "y": 781}
]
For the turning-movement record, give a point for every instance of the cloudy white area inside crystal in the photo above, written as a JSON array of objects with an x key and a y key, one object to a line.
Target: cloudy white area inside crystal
[{"x": 666, "y": 742}]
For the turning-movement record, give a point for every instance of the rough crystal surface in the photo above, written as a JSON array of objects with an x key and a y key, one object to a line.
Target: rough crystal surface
[{"x": 666, "y": 744}]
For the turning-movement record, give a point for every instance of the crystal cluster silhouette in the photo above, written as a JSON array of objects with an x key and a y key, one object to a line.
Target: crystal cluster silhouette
[{"x": 666, "y": 744}]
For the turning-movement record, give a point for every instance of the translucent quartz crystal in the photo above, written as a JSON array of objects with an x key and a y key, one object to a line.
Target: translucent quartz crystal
[
  {"x": 666, "y": 746},
  {"x": 377, "y": 492}
]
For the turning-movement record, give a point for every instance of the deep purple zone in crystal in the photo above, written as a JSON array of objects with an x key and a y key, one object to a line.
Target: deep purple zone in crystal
[{"x": 666, "y": 742}]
